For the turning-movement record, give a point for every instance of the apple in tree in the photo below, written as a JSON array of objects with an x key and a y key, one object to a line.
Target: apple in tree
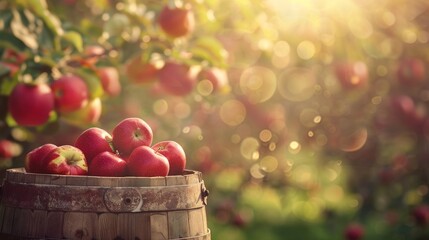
[
  {"x": 176, "y": 22},
  {"x": 176, "y": 78},
  {"x": 405, "y": 109},
  {"x": 31, "y": 104},
  {"x": 66, "y": 160},
  {"x": 94, "y": 141},
  {"x": 13, "y": 56},
  {"x": 109, "y": 78},
  {"x": 71, "y": 93},
  {"x": 411, "y": 71},
  {"x": 35, "y": 159},
  {"x": 352, "y": 75},
  {"x": 216, "y": 76},
  {"x": 131, "y": 133},
  {"x": 89, "y": 114},
  {"x": 174, "y": 153},
  {"x": 420, "y": 215},
  {"x": 8, "y": 149},
  {"x": 146, "y": 162},
  {"x": 354, "y": 231},
  {"x": 107, "y": 164},
  {"x": 13, "y": 67},
  {"x": 139, "y": 71},
  {"x": 91, "y": 55}
]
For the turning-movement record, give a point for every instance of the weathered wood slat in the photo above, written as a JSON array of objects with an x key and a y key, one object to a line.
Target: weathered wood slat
[{"x": 55, "y": 222}]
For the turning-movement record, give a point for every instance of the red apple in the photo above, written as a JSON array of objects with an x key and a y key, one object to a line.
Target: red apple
[
  {"x": 216, "y": 76},
  {"x": 93, "y": 141},
  {"x": 66, "y": 160},
  {"x": 176, "y": 22},
  {"x": 11, "y": 55},
  {"x": 109, "y": 78},
  {"x": 420, "y": 215},
  {"x": 8, "y": 149},
  {"x": 411, "y": 71},
  {"x": 139, "y": 71},
  {"x": 352, "y": 75},
  {"x": 91, "y": 54},
  {"x": 131, "y": 133},
  {"x": 71, "y": 93},
  {"x": 89, "y": 114},
  {"x": 107, "y": 164},
  {"x": 13, "y": 67},
  {"x": 146, "y": 162},
  {"x": 31, "y": 104},
  {"x": 176, "y": 78},
  {"x": 175, "y": 155},
  {"x": 35, "y": 159},
  {"x": 354, "y": 231},
  {"x": 404, "y": 108}
]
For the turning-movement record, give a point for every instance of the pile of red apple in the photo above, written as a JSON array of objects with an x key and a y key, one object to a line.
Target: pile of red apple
[{"x": 125, "y": 152}]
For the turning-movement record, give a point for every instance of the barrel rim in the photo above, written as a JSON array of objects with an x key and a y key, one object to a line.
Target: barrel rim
[{"x": 186, "y": 172}]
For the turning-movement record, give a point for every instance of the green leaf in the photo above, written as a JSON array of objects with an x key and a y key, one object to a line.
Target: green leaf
[
  {"x": 211, "y": 50},
  {"x": 4, "y": 70},
  {"x": 75, "y": 39},
  {"x": 92, "y": 81},
  {"x": 40, "y": 9},
  {"x": 8, "y": 40},
  {"x": 7, "y": 85}
]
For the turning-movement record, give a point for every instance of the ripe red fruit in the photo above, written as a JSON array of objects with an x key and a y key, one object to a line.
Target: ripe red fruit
[
  {"x": 109, "y": 78},
  {"x": 93, "y": 141},
  {"x": 216, "y": 76},
  {"x": 175, "y": 155},
  {"x": 31, "y": 104},
  {"x": 92, "y": 54},
  {"x": 14, "y": 56},
  {"x": 176, "y": 78},
  {"x": 411, "y": 71},
  {"x": 107, "y": 164},
  {"x": 35, "y": 159},
  {"x": 420, "y": 215},
  {"x": 352, "y": 75},
  {"x": 176, "y": 22},
  {"x": 354, "y": 231},
  {"x": 146, "y": 162},
  {"x": 139, "y": 71},
  {"x": 13, "y": 68},
  {"x": 66, "y": 160},
  {"x": 8, "y": 149},
  {"x": 131, "y": 133},
  {"x": 89, "y": 114},
  {"x": 71, "y": 93},
  {"x": 405, "y": 109}
]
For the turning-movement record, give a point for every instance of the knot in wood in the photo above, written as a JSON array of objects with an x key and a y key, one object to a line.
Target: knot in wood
[{"x": 122, "y": 200}]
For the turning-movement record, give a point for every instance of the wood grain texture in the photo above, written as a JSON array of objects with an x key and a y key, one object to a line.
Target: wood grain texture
[{"x": 47, "y": 206}]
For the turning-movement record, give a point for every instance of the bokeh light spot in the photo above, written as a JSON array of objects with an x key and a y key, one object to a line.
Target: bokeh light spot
[
  {"x": 306, "y": 50},
  {"x": 269, "y": 163},
  {"x": 354, "y": 141},
  {"x": 205, "y": 87},
  {"x": 160, "y": 107},
  {"x": 182, "y": 110},
  {"x": 297, "y": 84},
  {"x": 265, "y": 135},
  {"x": 294, "y": 147},
  {"x": 256, "y": 172},
  {"x": 232, "y": 112},
  {"x": 258, "y": 83},
  {"x": 249, "y": 148}
]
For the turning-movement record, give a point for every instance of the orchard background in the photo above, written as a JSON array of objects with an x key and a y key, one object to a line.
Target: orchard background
[{"x": 309, "y": 119}]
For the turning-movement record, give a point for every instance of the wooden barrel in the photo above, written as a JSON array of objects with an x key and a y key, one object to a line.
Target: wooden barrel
[{"x": 48, "y": 206}]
